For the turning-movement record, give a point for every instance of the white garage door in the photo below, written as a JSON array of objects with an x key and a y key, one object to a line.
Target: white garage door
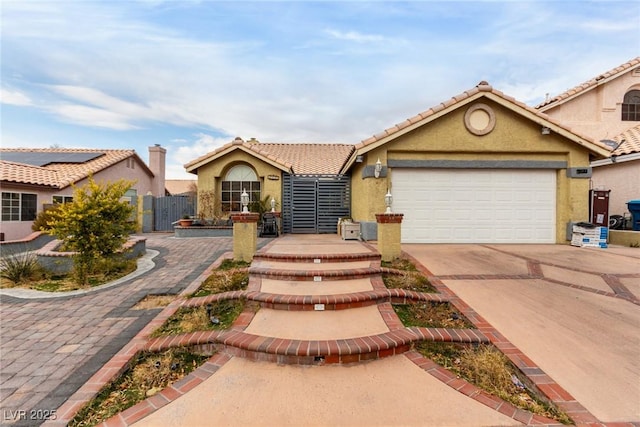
[{"x": 475, "y": 206}]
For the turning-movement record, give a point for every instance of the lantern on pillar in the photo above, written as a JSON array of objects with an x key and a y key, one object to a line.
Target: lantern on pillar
[
  {"x": 244, "y": 198},
  {"x": 388, "y": 199}
]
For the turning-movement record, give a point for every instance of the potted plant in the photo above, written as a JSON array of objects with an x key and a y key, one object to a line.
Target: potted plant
[{"x": 185, "y": 221}]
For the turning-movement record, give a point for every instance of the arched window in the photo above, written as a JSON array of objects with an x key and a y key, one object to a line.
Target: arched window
[
  {"x": 238, "y": 179},
  {"x": 631, "y": 106}
]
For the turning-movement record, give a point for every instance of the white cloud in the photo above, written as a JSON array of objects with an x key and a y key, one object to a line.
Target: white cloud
[
  {"x": 91, "y": 117},
  {"x": 14, "y": 97},
  {"x": 355, "y": 36},
  {"x": 182, "y": 151}
]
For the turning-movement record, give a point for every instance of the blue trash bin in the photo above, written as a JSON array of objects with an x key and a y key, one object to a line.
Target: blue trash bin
[{"x": 634, "y": 208}]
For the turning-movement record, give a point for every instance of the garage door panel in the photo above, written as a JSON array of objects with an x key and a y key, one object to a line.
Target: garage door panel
[{"x": 475, "y": 206}]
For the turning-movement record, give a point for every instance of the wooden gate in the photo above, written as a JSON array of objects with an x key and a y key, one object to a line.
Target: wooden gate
[{"x": 167, "y": 210}]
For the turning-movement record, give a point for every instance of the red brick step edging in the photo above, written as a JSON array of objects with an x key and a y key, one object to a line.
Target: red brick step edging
[
  {"x": 314, "y": 275},
  {"x": 317, "y": 259},
  {"x": 470, "y": 390},
  {"x": 317, "y": 351},
  {"x": 329, "y": 302}
]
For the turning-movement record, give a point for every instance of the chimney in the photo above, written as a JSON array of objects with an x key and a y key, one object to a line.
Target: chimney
[{"x": 157, "y": 156}]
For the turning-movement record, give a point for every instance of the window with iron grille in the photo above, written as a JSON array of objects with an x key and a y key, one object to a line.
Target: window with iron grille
[
  {"x": 239, "y": 178},
  {"x": 631, "y": 106},
  {"x": 19, "y": 206}
]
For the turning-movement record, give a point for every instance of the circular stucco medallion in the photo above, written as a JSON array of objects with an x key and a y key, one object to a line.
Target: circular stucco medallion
[{"x": 479, "y": 119}]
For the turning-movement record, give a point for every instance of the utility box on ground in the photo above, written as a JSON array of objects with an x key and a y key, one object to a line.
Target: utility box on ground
[{"x": 599, "y": 207}]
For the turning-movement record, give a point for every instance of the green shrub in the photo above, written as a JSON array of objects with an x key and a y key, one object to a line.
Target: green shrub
[
  {"x": 95, "y": 224},
  {"x": 18, "y": 266},
  {"x": 41, "y": 223}
]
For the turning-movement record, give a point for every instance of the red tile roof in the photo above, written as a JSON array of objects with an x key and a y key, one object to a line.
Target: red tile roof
[
  {"x": 588, "y": 85},
  {"x": 299, "y": 158},
  {"x": 27, "y": 174},
  {"x": 629, "y": 141},
  {"x": 180, "y": 186},
  {"x": 59, "y": 175}
]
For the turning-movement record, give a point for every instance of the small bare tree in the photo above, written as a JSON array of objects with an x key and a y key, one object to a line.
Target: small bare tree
[{"x": 207, "y": 205}]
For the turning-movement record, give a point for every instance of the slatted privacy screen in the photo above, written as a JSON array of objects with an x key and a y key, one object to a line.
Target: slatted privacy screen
[{"x": 314, "y": 203}]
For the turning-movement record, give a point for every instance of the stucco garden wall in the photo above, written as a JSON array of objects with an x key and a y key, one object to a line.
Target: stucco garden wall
[{"x": 446, "y": 138}]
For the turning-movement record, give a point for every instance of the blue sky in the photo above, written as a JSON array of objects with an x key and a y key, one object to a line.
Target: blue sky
[{"x": 192, "y": 75}]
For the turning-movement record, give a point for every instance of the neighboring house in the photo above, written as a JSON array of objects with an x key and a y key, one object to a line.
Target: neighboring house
[
  {"x": 33, "y": 178},
  {"x": 479, "y": 168},
  {"x": 607, "y": 108},
  {"x": 620, "y": 173}
]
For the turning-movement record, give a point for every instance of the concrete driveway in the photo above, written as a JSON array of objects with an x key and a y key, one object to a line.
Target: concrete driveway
[{"x": 574, "y": 311}]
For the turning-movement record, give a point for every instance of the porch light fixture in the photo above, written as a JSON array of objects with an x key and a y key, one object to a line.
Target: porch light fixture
[
  {"x": 545, "y": 130},
  {"x": 377, "y": 169},
  {"x": 388, "y": 199},
  {"x": 273, "y": 204},
  {"x": 244, "y": 198}
]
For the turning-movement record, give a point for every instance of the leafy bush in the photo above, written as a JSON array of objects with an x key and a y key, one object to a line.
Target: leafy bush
[
  {"x": 41, "y": 223},
  {"x": 95, "y": 224}
]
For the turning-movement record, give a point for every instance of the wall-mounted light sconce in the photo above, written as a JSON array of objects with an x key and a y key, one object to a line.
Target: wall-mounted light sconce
[
  {"x": 377, "y": 169},
  {"x": 273, "y": 204},
  {"x": 244, "y": 198},
  {"x": 545, "y": 130},
  {"x": 388, "y": 200}
]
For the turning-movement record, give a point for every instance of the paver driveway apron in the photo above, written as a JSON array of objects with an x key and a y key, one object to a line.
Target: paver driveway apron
[{"x": 51, "y": 347}]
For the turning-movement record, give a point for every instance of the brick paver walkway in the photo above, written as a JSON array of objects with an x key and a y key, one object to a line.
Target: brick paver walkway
[{"x": 49, "y": 348}]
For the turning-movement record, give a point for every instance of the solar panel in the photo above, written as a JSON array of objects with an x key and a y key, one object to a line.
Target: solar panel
[{"x": 38, "y": 158}]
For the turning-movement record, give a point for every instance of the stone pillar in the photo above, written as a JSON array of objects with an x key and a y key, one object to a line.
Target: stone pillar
[
  {"x": 389, "y": 233},
  {"x": 245, "y": 236}
]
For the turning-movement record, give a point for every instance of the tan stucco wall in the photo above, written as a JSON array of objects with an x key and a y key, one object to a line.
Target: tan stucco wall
[
  {"x": 598, "y": 112},
  {"x": 624, "y": 238},
  {"x": 389, "y": 240},
  {"x": 367, "y": 195},
  {"x": 245, "y": 238},
  {"x": 623, "y": 179},
  {"x": 210, "y": 176},
  {"x": 513, "y": 138}
]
